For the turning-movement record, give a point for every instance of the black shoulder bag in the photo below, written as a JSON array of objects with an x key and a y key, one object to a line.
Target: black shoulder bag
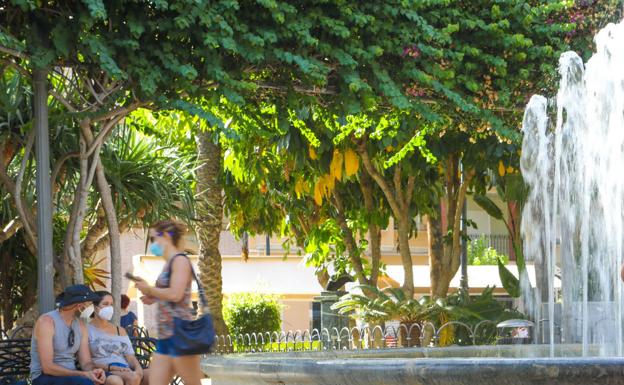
[{"x": 192, "y": 337}]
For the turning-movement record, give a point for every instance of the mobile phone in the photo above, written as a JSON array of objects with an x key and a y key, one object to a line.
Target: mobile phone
[{"x": 132, "y": 277}]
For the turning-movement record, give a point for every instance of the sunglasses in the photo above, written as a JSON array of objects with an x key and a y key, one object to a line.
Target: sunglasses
[
  {"x": 158, "y": 234},
  {"x": 71, "y": 338}
]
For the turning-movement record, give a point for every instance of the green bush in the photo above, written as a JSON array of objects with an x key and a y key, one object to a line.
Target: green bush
[
  {"x": 481, "y": 313},
  {"x": 253, "y": 313},
  {"x": 480, "y": 254}
]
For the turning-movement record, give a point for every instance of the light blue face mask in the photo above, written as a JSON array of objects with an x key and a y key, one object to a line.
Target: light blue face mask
[{"x": 156, "y": 249}]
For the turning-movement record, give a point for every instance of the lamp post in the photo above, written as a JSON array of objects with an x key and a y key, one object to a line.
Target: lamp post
[
  {"x": 464, "y": 255},
  {"x": 45, "y": 267}
]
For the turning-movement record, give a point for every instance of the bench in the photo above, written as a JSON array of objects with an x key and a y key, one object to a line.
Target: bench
[{"x": 15, "y": 354}]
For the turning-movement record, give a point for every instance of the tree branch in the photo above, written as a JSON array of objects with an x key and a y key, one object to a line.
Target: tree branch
[
  {"x": 313, "y": 91},
  {"x": 13, "y": 52},
  {"x": 59, "y": 164},
  {"x": 19, "y": 204},
  {"x": 99, "y": 139},
  {"x": 398, "y": 188},
  {"x": 379, "y": 179},
  {"x": 123, "y": 111},
  {"x": 409, "y": 190},
  {"x": 457, "y": 235},
  {"x": 347, "y": 233},
  {"x": 63, "y": 101}
]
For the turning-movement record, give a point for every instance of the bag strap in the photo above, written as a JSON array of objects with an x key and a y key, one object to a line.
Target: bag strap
[{"x": 200, "y": 288}]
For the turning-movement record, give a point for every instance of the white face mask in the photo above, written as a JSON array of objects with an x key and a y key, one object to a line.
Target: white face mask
[
  {"x": 86, "y": 313},
  {"x": 106, "y": 313}
]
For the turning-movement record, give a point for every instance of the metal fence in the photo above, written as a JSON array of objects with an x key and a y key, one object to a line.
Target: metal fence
[
  {"x": 499, "y": 242},
  {"x": 377, "y": 337}
]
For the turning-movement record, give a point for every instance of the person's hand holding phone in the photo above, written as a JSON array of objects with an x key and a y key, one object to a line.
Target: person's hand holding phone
[{"x": 134, "y": 278}]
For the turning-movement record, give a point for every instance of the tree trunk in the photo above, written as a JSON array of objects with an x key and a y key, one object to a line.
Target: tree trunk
[
  {"x": 439, "y": 286},
  {"x": 108, "y": 205},
  {"x": 374, "y": 231},
  {"x": 209, "y": 207},
  {"x": 403, "y": 230},
  {"x": 72, "y": 252},
  {"x": 444, "y": 256},
  {"x": 352, "y": 249},
  {"x": 399, "y": 200},
  {"x": 114, "y": 241}
]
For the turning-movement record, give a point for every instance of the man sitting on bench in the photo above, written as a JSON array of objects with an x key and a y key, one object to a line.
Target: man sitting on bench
[{"x": 59, "y": 336}]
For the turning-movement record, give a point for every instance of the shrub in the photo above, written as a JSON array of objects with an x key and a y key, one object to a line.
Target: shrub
[
  {"x": 252, "y": 313},
  {"x": 481, "y": 313},
  {"x": 479, "y": 253}
]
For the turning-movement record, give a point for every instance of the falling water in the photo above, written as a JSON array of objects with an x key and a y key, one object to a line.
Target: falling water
[{"x": 573, "y": 222}]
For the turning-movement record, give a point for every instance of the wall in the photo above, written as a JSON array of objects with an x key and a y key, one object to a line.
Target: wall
[{"x": 296, "y": 314}]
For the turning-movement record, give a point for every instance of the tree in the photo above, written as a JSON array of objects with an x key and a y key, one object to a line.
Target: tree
[
  {"x": 139, "y": 172},
  {"x": 478, "y": 154},
  {"x": 293, "y": 177},
  {"x": 218, "y": 49}
]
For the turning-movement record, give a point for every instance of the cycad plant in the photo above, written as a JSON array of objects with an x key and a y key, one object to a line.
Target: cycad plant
[
  {"x": 444, "y": 317},
  {"x": 382, "y": 305}
]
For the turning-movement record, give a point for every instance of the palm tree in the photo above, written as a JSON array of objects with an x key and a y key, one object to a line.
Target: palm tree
[{"x": 209, "y": 209}]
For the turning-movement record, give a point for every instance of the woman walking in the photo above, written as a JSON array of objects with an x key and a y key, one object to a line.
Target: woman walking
[
  {"x": 111, "y": 348},
  {"x": 172, "y": 293}
]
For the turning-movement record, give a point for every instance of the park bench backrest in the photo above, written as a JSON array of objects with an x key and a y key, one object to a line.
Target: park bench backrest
[{"x": 15, "y": 354}]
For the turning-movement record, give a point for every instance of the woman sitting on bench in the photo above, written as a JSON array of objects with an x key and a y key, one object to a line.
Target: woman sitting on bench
[{"x": 111, "y": 348}]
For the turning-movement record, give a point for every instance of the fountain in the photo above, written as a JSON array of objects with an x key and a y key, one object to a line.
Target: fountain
[
  {"x": 573, "y": 228},
  {"x": 573, "y": 219}
]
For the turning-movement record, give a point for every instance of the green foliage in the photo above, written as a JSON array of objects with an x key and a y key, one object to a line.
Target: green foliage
[
  {"x": 473, "y": 311},
  {"x": 18, "y": 277},
  {"x": 148, "y": 180},
  {"x": 479, "y": 253},
  {"x": 252, "y": 313},
  {"x": 509, "y": 281},
  {"x": 391, "y": 304},
  {"x": 378, "y": 306},
  {"x": 488, "y": 206}
]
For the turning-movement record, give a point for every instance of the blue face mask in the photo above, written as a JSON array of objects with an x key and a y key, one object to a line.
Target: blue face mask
[{"x": 156, "y": 249}]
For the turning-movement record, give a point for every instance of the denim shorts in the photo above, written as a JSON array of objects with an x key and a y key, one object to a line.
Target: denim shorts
[
  {"x": 166, "y": 347},
  {"x": 119, "y": 364}
]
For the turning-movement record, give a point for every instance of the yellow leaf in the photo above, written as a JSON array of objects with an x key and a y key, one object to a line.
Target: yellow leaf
[
  {"x": 335, "y": 167},
  {"x": 330, "y": 183},
  {"x": 352, "y": 163},
  {"x": 501, "y": 168},
  {"x": 510, "y": 170},
  {"x": 318, "y": 191},
  {"x": 312, "y": 153},
  {"x": 301, "y": 187}
]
